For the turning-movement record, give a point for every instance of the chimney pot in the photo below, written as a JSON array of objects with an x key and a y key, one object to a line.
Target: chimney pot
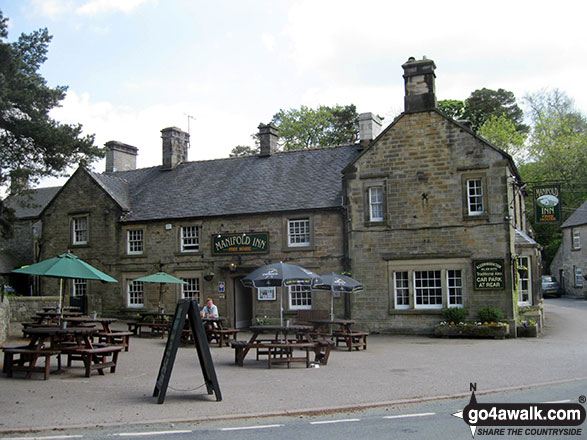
[
  {"x": 267, "y": 139},
  {"x": 420, "y": 89}
]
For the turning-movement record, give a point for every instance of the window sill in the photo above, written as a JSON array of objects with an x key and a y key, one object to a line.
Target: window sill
[
  {"x": 298, "y": 248},
  {"x": 476, "y": 217},
  {"x": 188, "y": 254},
  {"x": 416, "y": 312}
]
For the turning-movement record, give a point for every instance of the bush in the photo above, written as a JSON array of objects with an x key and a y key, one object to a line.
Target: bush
[
  {"x": 490, "y": 314},
  {"x": 455, "y": 314}
]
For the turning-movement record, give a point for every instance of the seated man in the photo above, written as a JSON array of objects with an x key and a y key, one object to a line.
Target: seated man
[{"x": 210, "y": 310}]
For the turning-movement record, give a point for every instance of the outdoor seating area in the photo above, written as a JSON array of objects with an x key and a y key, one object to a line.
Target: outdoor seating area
[
  {"x": 150, "y": 324},
  {"x": 56, "y": 334}
]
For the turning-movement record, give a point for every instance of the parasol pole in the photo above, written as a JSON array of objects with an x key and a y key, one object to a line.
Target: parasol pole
[
  {"x": 332, "y": 305},
  {"x": 60, "y": 296},
  {"x": 281, "y": 307}
]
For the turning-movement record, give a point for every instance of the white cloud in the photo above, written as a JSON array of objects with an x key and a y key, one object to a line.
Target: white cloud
[
  {"x": 214, "y": 132},
  {"x": 95, "y": 7},
  {"x": 51, "y": 9},
  {"x": 269, "y": 41}
]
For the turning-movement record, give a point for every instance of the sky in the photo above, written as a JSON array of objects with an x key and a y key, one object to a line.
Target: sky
[{"x": 220, "y": 68}]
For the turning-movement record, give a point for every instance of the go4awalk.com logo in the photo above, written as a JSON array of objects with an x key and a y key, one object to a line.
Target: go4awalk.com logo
[{"x": 534, "y": 419}]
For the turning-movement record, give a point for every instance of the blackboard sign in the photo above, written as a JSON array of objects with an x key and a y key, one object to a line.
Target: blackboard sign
[
  {"x": 489, "y": 274},
  {"x": 186, "y": 308}
]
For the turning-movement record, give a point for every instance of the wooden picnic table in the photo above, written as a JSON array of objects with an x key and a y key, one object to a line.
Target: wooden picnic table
[
  {"x": 155, "y": 321},
  {"x": 352, "y": 339},
  {"x": 52, "y": 316},
  {"x": 216, "y": 332},
  {"x": 54, "y": 308},
  {"x": 323, "y": 325},
  {"x": 280, "y": 344},
  {"x": 76, "y": 342}
]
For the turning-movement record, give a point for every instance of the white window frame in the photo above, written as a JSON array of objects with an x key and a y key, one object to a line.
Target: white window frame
[
  {"x": 305, "y": 297},
  {"x": 299, "y": 229},
  {"x": 454, "y": 287},
  {"x": 475, "y": 197},
  {"x": 376, "y": 205},
  {"x": 191, "y": 290},
  {"x": 428, "y": 288},
  {"x": 524, "y": 282},
  {"x": 576, "y": 237},
  {"x": 401, "y": 287},
  {"x": 79, "y": 230},
  {"x": 578, "y": 276},
  {"x": 134, "y": 242},
  {"x": 79, "y": 287},
  {"x": 189, "y": 242},
  {"x": 135, "y": 294}
]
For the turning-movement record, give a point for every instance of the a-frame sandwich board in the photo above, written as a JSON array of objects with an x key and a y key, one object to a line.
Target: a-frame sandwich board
[{"x": 190, "y": 309}]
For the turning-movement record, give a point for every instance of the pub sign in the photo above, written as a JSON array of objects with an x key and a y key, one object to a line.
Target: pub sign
[
  {"x": 240, "y": 243},
  {"x": 547, "y": 203},
  {"x": 489, "y": 274}
]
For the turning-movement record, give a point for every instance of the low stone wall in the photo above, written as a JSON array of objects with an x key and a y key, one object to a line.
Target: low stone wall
[
  {"x": 22, "y": 308},
  {"x": 4, "y": 320}
]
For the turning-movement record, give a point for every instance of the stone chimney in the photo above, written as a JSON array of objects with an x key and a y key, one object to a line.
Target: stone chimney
[
  {"x": 120, "y": 157},
  {"x": 175, "y": 147},
  {"x": 267, "y": 139},
  {"x": 369, "y": 127},
  {"x": 19, "y": 181},
  {"x": 419, "y": 85}
]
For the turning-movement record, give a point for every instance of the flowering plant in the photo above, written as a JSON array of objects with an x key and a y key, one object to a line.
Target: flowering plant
[{"x": 527, "y": 324}]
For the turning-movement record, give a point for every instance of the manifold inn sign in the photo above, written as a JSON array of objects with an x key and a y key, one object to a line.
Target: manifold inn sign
[
  {"x": 547, "y": 204},
  {"x": 488, "y": 274},
  {"x": 243, "y": 243}
]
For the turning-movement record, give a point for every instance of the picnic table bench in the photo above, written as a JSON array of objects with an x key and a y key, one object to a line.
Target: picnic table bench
[
  {"x": 27, "y": 360},
  {"x": 95, "y": 358}
]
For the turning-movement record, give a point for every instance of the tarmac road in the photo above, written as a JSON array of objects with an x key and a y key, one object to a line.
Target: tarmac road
[{"x": 393, "y": 369}]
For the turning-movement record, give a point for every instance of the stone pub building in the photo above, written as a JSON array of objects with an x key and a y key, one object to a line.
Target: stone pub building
[{"x": 425, "y": 213}]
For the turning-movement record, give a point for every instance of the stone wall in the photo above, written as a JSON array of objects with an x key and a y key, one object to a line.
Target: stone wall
[
  {"x": 4, "y": 319},
  {"x": 23, "y": 308},
  {"x": 422, "y": 163}
]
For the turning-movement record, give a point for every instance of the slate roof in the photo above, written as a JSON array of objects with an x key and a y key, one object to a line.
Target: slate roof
[
  {"x": 577, "y": 218},
  {"x": 30, "y": 203},
  {"x": 284, "y": 181}
]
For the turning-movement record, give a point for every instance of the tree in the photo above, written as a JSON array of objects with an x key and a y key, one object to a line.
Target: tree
[
  {"x": 31, "y": 142},
  {"x": 243, "y": 150},
  {"x": 452, "y": 108},
  {"x": 501, "y": 132},
  {"x": 325, "y": 126},
  {"x": 558, "y": 152},
  {"x": 482, "y": 104}
]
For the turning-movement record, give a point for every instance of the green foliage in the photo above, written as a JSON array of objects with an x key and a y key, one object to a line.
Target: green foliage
[
  {"x": 452, "y": 108},
  {"x": 324, "y": 126},
  {"x": 243, "y": 150},
  {"x": 490, "y": 314},
  {"x": 484, "y": 103},
  {"x": 501, "y": 132},
  {"x": 558, "y": 152},
  {"x": 454, "y": 314},
  {"x": 30, "y": 141}
]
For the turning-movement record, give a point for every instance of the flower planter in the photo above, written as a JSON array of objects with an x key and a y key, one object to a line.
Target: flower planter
[
  {"x": 472, "y": 331},
  {"x": 527, "y": 332}
]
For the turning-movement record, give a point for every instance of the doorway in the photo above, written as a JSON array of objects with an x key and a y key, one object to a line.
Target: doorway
[{"x": 243, "y": 305}]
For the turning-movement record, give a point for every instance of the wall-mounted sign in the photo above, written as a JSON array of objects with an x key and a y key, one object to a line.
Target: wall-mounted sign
[
  {"x": 547, "y": 204},
  {"x": 221, "y": 287},
  {"x": 489, "y": 274},
  {"x": 243, "y": 243}
]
